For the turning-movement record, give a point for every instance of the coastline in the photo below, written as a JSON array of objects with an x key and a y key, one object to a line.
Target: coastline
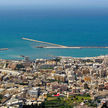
[{"x": 93, "y": 57}]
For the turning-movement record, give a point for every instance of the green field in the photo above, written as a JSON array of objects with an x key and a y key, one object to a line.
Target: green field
[
  {"x": 64, "y": 102},
  {"x": 76, "y": 100}
]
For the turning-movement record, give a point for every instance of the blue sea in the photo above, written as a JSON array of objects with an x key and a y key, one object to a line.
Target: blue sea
[{"x": 65, "y": 27}]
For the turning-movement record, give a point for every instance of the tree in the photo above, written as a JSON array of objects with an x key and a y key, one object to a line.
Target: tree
[
  {"x": 86, "y": 86},
  {"x": 1, "y": 96}
]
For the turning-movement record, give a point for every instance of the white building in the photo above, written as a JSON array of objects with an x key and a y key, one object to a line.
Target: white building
[{"x": 34, "y": 92}]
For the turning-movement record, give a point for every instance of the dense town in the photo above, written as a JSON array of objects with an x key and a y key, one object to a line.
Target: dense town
[{"x": 60, "y": 82}]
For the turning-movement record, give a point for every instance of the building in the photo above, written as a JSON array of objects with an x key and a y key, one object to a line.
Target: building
[{"x": 34, "y": 92}]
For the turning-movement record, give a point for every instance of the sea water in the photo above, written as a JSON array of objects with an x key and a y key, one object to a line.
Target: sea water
[{"x": 64, "y": 27}]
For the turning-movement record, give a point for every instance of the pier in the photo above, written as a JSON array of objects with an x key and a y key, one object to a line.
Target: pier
[
  {"x": 2, "y": 49},
  {"x": 42, "y": 42},
  {"x": 76, "y": 47},
  {"x": 57, "y": 46}
]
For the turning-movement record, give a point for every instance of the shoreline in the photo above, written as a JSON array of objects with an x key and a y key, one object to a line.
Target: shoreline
[{"x": 86, "y": 57}]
